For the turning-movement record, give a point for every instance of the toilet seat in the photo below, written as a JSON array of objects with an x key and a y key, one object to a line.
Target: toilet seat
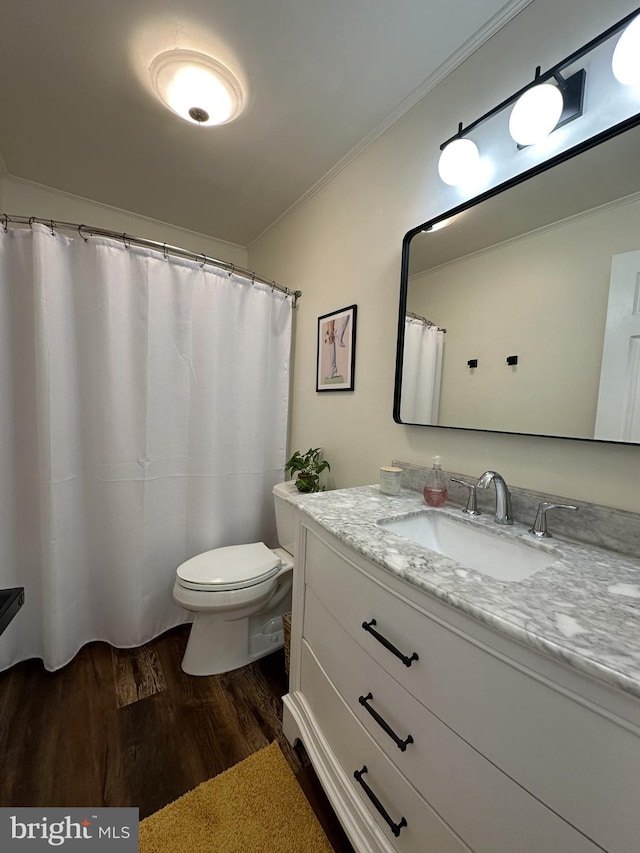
[{"x": 234, "y": 567}]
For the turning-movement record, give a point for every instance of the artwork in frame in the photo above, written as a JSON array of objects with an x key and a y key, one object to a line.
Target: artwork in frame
[{"x": 336, "y": 356}]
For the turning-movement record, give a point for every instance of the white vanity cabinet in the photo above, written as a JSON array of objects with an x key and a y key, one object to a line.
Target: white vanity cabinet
[{"x": 433, "y": 732}]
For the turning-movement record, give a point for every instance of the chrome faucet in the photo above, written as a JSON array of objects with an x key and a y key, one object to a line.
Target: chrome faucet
[
  {"x": 503, "y": 495},
  {"x": 472, "y": 501},
  {"x": 539, "y": 528}
]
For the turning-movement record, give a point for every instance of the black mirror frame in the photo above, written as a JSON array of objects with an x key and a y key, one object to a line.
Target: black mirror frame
[{"x": 580, "y": 148}]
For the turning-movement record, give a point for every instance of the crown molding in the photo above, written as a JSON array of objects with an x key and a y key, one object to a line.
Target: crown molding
[
  {"x": 632, "y": 198},
  {"x": 506, "y": 14}
]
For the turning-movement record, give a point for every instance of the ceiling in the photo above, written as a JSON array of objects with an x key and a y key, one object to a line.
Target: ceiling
[
  {"x": 604, "y": 174},
  {"x": 323, "y": 78}
]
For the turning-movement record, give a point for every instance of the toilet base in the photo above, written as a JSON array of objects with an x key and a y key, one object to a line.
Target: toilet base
[
  {"x": 265, "y": 637},
  {"x": 217, "y": 646}
]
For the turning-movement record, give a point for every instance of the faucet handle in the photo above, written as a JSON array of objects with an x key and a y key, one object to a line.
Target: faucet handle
[
  {"x": 539, "y": 528},
  {"x": 472, "y": 501}
]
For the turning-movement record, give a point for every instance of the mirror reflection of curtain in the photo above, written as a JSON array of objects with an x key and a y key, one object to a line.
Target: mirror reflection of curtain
[{"x": 421, "y": 372}]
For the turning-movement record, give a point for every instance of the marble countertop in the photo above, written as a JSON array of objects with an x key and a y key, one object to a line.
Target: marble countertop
[{"x": 583, "y": 609}]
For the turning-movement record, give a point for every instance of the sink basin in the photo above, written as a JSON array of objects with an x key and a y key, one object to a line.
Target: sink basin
[{"x": 472, "y": 546}]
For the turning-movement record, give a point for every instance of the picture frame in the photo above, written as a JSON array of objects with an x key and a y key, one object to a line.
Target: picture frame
[{"x": 336, "y": 350}]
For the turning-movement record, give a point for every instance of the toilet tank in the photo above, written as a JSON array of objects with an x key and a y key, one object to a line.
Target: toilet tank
[{"x": 285, "y": 514}]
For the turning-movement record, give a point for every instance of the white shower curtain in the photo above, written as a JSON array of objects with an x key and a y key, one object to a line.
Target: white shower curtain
[
  {"x": 421, "y": 372},
  {"x": 143, "y": 417}
]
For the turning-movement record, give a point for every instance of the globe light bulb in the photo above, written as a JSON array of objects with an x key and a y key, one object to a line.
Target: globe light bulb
[
  {"x": 458, "y": 162},
  {"x": 626, "y": 56},
  {"x": 535, "y": 114}
]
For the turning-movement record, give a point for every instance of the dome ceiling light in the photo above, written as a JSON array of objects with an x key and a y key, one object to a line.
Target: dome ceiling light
[{"x": 196, "y": 87}]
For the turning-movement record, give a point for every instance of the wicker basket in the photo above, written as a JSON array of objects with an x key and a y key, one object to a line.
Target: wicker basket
[{"x": 286, "y": 631}]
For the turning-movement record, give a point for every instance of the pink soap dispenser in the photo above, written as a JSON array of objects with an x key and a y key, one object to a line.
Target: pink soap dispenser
[{"x": 435, "y": 492}]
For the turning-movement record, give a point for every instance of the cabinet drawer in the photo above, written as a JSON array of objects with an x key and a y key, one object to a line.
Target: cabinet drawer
[
  {"x": 488, "y": 810},
  {"x": 581, "y": 764},
  {"x": 354, "y": 749}
]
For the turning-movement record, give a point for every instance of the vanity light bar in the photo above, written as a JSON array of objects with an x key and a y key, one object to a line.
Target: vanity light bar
[{"x": 571, "y": 88}]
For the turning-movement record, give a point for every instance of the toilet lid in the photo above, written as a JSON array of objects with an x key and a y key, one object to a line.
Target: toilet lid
[{"x": 233, "y": 567}]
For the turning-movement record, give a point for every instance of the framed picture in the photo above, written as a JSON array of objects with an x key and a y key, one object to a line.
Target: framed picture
[{"x": 336, "y": 350}]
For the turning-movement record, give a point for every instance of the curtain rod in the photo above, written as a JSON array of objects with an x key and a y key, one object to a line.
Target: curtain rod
[
  {"x": 165, "y": 248},
  {"x": 424, "y": 320}
]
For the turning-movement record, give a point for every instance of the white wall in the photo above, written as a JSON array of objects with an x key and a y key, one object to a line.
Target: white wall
[
  {"x": 543, "y": 297},
  {"x": 343, "y": 246},
  {"x": 3, "y": 175},
  {"x": 24, "y": 198}
]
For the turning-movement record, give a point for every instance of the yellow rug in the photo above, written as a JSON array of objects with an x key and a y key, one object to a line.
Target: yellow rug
[{"x": 255, "y": 806}]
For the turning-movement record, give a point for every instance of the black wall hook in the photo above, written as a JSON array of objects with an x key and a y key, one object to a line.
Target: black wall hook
[{"x": 512, "y": 360}]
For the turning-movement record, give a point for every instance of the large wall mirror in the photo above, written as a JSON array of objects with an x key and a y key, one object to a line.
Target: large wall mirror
[{"x": 537, "y": 284}]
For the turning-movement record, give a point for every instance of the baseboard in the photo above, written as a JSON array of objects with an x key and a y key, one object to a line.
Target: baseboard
[{"x": 298, "y": 723}]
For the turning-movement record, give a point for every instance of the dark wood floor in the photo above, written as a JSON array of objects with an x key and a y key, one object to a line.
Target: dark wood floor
[{"x": 129, "y": 728}]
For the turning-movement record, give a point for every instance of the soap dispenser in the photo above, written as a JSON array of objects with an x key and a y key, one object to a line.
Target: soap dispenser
[{"x": 435, "y": 492}]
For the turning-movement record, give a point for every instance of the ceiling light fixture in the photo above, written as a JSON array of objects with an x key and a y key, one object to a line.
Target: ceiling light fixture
[
  {"x": 550, "y": 101},
  {"x": 437, "y": 226},
  {"x": 196, "y": 87}
]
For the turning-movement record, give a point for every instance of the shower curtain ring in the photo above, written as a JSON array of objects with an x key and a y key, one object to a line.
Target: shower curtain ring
[
  {"x": 164, "y": 251},
  {"x": 204, "y": 261},
  {"x": 51, "y": 225},
  {"x": 232, "y": 270},
  {"x": 32, "y": 219},
  {"x": 124, "y": 241},
  {"x": 6, "y": 222},
  {"x": 80, "y": 227}
]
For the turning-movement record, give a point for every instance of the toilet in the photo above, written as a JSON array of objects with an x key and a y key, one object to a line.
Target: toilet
[{"x": 238, "y": 594}]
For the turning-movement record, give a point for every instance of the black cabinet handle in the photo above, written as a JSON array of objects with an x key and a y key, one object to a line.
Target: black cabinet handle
[
  {"x": 401, "y": 744},
  {"x": 395, "y": 827},
  {"x": 407, "y": 661}
]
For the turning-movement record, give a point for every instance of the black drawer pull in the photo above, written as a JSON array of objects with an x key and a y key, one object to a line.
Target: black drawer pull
[
  {"x": 395, "y": 827},
  {"x": 407, "y": 661},
  {"x": 401, "y": 744}
]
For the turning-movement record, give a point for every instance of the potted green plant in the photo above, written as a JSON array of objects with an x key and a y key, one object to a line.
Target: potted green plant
[{"x": 307, "y": 467}]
